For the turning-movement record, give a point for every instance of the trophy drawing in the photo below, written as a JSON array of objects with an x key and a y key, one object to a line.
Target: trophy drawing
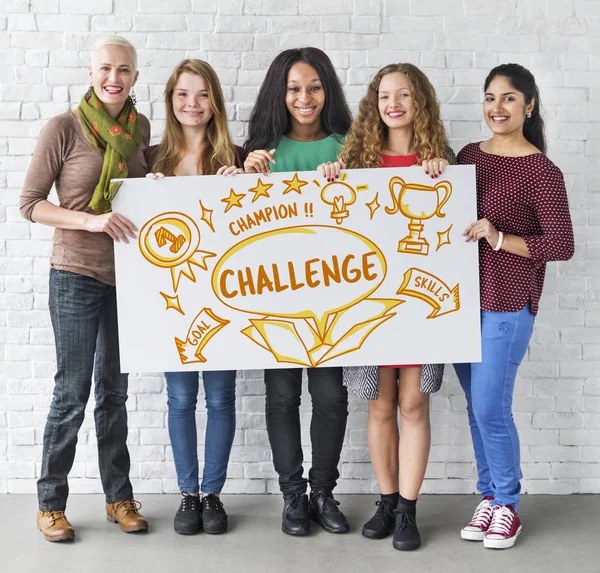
[{"x": 418, "y": 203}]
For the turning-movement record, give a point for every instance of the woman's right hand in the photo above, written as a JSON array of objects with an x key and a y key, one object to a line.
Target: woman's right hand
[
  {"x": 434, "y": 167},
  {"x": 258, "y": 161},
  {"x": 155, "y": 176},
  {"x": 331, "y": 170},
  {"x": 117, "y": 226}
]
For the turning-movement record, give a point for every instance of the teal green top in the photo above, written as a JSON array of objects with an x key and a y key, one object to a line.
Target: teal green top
[{"x": 292, "y": 155}]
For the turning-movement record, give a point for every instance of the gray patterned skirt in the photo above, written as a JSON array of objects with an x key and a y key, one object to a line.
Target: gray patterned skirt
[{"x": 364, "y": 380}]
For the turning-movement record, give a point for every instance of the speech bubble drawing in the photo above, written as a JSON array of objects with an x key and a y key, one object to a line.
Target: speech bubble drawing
[{"x": 270, "y": 273}]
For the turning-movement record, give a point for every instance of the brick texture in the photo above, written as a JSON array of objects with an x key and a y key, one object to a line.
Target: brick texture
[{"x": 44, "y": 50}]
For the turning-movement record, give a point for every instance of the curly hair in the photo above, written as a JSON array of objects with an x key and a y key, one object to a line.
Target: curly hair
[
  {"x": 368, "y": 134},
  {"x": 218, "y": 148}
]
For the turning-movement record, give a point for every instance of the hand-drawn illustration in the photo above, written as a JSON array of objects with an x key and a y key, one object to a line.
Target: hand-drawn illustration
[
  {"x": 333, "y": 325},
  {"x": 234, "y": 200},
  {"x": 261, "y": 190},
  {"x": 418, "y": 203},
  {"x": 310, "y": 281},
  {"x": 443, "y": 238},
  {"x": 294, "y": 184},
  {"x": 207, "y": 216},
  {"x": 204, "y": 326},
  {"x": 172, "y": 302},
  {"x": 373, "y": 206},
  {"x": 171, "y": 240},
  {"x": 340, "y": 196},
  {"x": 431, "y": 289}
]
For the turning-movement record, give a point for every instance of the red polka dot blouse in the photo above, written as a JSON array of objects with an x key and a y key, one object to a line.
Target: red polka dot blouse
[{"x": 523, "y": 196}]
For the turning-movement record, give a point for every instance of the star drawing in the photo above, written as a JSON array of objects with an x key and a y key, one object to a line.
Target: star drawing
[{"x": 234, "y": 200}]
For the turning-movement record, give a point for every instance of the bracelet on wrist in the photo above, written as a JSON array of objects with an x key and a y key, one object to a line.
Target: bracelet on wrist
[{"x": 500, "y": 241}]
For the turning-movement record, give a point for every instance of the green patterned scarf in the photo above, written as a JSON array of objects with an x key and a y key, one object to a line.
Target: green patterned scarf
[{"x": 116, "y": 139}]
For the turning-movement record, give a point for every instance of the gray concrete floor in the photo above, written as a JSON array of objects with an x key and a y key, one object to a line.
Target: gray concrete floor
[{"x": 560, "y": 534}]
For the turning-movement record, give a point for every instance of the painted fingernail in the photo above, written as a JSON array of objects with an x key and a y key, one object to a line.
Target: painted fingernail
[{"x": 426, "y": 172}]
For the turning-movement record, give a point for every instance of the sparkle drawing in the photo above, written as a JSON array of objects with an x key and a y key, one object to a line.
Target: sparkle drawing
[
  {"x": 207, "y": 216},
  {"x": 443, "y": 238},
  {"x": 172, "y": 302}
]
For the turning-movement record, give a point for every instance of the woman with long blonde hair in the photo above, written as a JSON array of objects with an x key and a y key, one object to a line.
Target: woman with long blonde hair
[
  {"x": 196, "y": 142},
  {"x": 398, "y": 125}
]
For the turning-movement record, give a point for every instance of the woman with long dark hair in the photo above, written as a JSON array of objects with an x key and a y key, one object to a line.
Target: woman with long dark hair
[
  {"x": 398, "y": 125},
  {"x": 300, "y": 119},
  {"x": 523, "y": 223},
  {"x": 197, "y": 142}
]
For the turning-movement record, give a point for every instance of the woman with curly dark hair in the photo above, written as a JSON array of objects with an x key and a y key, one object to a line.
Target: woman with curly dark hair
[{"x": 398, "y": 125}]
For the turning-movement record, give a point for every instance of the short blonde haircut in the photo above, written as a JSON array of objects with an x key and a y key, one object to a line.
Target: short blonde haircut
[{"x": 116, "y": 41}]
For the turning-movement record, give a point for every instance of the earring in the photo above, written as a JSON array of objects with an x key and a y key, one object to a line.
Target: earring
[
  {"x": 528, "y": 115},
  {"x": 88, "y": 94},
  {"x": 133, "y": 97}
]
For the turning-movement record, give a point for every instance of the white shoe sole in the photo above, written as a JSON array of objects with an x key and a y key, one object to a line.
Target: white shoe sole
[
  {"x": 502, "y": 543},
  {"x": 472, "y": 535}
]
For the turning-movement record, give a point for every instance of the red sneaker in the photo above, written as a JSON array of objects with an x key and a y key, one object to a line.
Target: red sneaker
[
  {"x": 480, "y": 522},
  {"x": 504, "y": 529}
]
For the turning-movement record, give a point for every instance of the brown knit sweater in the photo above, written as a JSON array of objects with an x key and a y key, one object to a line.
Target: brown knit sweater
[{"x": 65, "y": 157}]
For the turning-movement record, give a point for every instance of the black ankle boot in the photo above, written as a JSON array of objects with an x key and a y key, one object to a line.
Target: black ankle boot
[
  {"x": 406, "y": 534},
  {"x": 294, "y": 519},
  {"x": 323, "y": 509},
  {"x": 382, "y": 523}
]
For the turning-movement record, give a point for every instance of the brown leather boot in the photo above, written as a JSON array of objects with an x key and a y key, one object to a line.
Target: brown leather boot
[
  {"x": 126, "y": 514},
  {"x": 55, "y": 526}
]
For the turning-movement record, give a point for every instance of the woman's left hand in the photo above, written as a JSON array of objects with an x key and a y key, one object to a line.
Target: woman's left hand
[
  {"x": 231, "y": 170},
  {"x": 482, "y": 229},
  {"x": 434, "y": 167}
]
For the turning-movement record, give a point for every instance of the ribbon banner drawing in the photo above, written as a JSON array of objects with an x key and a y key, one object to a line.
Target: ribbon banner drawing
[{"x": 287, "y": 269}]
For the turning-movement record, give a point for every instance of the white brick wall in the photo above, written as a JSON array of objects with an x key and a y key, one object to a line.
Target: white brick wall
[{"x": 44, "y": 50}]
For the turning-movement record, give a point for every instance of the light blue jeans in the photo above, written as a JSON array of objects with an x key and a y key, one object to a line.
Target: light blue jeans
[
  {"x": 488, "y": 387},
  {"x": 182, "y": 396}
]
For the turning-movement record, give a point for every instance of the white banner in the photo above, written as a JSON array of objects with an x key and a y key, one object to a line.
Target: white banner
[{"x": 255, "y": 271}]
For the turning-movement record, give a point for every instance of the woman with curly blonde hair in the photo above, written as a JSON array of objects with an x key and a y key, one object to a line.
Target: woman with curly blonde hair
[{"x": 398, "y": 125}]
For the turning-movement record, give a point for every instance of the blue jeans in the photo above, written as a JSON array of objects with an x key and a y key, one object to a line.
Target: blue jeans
[
  {"x": 488, "y": 386},
  {"x": 84, "y": 318},
  {"x": 182, "y": 396}
]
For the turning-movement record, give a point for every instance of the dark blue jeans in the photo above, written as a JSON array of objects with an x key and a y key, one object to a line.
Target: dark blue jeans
[
  {"x": 182, "y": 396},
  {"x": 84, "y": 318}
]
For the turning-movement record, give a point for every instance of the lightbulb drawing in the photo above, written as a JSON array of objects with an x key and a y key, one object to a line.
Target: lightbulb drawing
[{"x": 339, "y": 195}]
